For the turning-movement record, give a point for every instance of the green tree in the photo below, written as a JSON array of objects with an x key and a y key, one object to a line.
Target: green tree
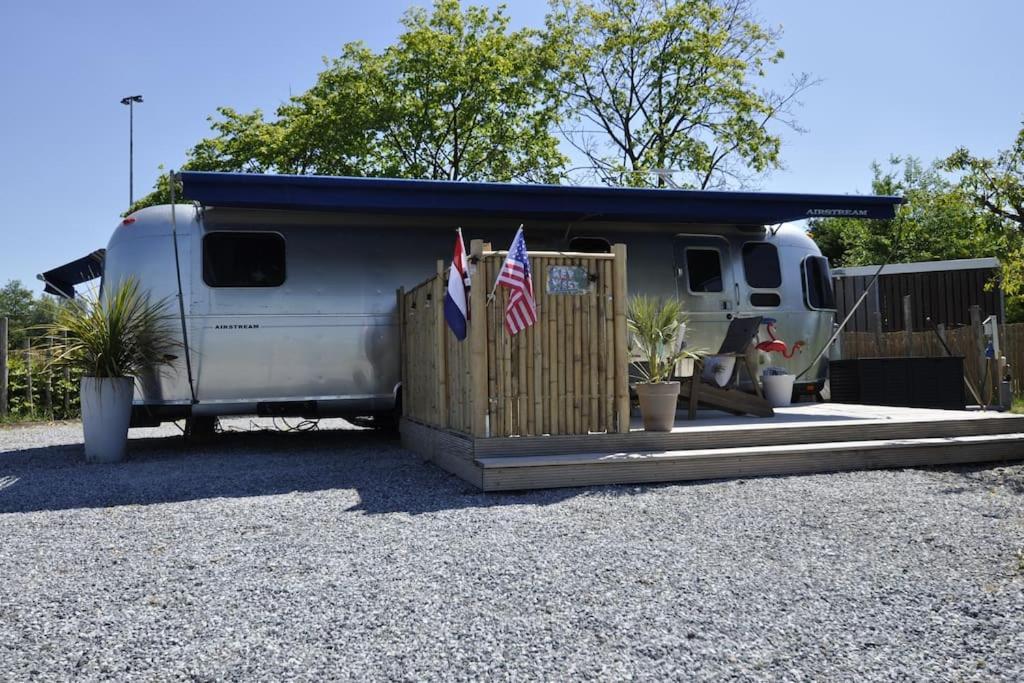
[
  {"x": 996, "y": 188},
  {"x": 24, "y": 312},
  {"x": 672, "y": 84},
  {"x": 937, "y": 222},
  {"x": 459, "y": 96}
]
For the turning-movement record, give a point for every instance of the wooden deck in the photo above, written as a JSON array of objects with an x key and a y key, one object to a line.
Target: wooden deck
[{"x": 800, "y": 439}]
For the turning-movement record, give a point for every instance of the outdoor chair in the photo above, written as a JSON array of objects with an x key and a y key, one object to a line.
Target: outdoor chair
[{"x": 739, "y": 339}]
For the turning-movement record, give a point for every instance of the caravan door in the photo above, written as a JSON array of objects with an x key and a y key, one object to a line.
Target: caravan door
[{"x": 706, "y": 284}]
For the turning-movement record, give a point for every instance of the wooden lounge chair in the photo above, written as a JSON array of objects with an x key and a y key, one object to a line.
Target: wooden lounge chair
[{"x": 730, "y": 398}]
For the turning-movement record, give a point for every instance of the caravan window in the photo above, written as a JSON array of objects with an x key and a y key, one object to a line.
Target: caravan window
[
  {"x": 761, "y": 265},
  {"x": 243, "y": 259},
  {"x": 704, "y": 270},
  {"x": 818, "y": 283}
]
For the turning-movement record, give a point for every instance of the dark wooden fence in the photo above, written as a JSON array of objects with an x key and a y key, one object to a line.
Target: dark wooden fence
[{"x": 944, "y": 296}]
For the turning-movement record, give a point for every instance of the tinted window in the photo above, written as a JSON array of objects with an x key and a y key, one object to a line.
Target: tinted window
[
  {"x": 761, "y": 265},
  {"x": 765, "y": 299},
  {"x": 243, "y": 259},
  {"x": 704, "y": 270},
  {"x": 818, "y": 283},
  {"x": 590, "y": 245}
]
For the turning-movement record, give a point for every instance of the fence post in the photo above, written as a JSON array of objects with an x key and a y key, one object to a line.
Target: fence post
[
  {"x": 979, "y": 346},
  {"x": 48, "y": 388},
  {"x": 28, "y": 375},
  {"x": 478, "y": 341},
  {"x": 67, "y": 383},
  {"x": 908, "y": 324},
  {"x": 3, "y": 367},
  {"x": 440, "y": 347},
  {"x": 876, "y": 321},
  {"x": 619, "y": 294}
]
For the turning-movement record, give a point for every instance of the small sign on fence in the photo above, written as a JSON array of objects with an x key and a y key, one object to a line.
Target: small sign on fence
[{"x": 568, "y": 280}]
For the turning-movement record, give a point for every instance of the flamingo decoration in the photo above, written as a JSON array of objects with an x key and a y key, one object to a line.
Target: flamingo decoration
[{"x": 776, "y": 345}]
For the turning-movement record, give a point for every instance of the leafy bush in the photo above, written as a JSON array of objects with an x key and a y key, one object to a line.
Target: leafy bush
[{"x": 63, "y": 388}]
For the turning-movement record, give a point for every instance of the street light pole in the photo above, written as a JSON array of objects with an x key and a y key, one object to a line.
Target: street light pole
[{"x": 130, "y": 101}]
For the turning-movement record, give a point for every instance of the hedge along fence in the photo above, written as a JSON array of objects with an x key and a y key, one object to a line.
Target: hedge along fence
[
  {"x": 34, "y": 389},
  {"x": 962, "y": 341},
  {"x": 567, "y": 374}
]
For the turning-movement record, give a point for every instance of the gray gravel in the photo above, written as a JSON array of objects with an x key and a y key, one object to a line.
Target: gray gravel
[{"x": 339, "y": 555}]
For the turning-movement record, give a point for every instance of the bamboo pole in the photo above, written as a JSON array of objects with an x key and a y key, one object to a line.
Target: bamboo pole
[
  {"x": 551, "y": 366},
  {"x": 494, "y": 348},
  {"x": 609, "y": 348},
  {"x": 577, "y": 363},
  {"x": 619, "y": 295},
  {"x": 478, "y": 342},
  {"x": 594, "y": 340},
  {"x": 3, "y": 367},
  {"x": 439, "y": 341},
  {"x": 538, "y": 353}
]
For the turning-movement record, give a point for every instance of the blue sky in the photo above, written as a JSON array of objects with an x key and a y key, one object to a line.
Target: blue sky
[{"x": 904, "y": 77}]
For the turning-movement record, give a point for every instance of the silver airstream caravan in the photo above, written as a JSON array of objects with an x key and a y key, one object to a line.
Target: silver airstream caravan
[{"x": 288, "y": 283}]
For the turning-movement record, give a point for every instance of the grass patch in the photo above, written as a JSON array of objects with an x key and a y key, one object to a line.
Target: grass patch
[{"x": 1018, "y": 405}]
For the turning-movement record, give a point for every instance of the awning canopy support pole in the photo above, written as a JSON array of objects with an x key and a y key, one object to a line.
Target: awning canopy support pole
[{"x": 171, "y": 179}]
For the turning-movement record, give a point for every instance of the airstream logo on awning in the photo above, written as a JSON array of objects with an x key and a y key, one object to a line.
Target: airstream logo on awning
[
  {"x": 862, "y": 213},
  {"x": 236, "y": 327}
]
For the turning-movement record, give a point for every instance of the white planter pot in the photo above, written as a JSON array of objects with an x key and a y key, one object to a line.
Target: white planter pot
[
  {"x": 778, "y": 389},
  {"x": 106, "y": 413}
]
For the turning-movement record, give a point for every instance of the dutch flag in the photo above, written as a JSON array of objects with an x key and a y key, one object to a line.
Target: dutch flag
[{"x": 456, "y": 303}]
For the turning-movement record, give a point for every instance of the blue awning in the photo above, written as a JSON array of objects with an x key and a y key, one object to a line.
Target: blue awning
[
  {"x": 62, "y": 279},
  {"x": 538, "y": 202}
]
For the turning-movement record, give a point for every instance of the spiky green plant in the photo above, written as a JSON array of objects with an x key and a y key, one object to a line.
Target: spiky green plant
[
  {"x": 654, "y": 327},
  {"x": 122, "y": 333}
]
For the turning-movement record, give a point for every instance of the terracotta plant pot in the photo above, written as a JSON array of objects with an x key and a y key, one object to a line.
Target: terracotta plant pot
[
  {"x": 106, "y": 412},
  {"x": 658, "y": 405}
]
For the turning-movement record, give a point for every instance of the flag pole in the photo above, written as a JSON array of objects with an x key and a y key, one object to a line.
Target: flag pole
[{"x": 490, "y": 297}]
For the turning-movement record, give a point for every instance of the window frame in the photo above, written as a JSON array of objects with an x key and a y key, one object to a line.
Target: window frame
[
  {"x": 275, "y": 233},
  {"x": 721, "y": 270},
  {"x": 805, "y": 280}
]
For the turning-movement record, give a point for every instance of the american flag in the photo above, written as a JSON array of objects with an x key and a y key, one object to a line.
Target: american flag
[{"x": 521, "y": 311}]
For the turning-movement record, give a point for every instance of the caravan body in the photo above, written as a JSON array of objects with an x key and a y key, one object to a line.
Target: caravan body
[{"x": 291, "y": 310}]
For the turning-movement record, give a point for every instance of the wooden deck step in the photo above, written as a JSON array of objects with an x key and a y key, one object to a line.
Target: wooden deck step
[
  {"x": 753, "y": 434},
  {"x": 583, "y": 469}
]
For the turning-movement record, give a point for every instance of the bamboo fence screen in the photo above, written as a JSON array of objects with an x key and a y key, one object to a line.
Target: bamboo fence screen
[{"x": 567, "y": 374}]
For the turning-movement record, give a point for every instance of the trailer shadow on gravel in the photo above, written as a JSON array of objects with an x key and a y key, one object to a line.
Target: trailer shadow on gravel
[{"x": 169, "y": 469}]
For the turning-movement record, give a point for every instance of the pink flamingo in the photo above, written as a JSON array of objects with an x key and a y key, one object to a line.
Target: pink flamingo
[{"x": 776, "y": 345}]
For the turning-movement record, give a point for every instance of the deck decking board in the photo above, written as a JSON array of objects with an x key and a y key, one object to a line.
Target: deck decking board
[{"x": 811, "y": 439}]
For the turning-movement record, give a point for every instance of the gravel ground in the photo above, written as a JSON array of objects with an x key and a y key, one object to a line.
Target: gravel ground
[{"x": 339, "y": 555}]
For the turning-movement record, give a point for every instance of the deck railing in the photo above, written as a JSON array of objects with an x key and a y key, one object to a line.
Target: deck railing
[{"x": 567, "y": 374}]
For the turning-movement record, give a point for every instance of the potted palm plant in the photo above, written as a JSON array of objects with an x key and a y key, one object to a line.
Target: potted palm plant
[
  {"x": 112, "y": 339},
  {"x": 655, "y": 327}
]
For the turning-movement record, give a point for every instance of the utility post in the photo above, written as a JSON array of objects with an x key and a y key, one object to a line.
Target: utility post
[{"x": 130, "y": 101}]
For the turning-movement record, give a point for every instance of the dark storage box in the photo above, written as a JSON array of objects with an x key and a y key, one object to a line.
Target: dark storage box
[{"x": 911, "y": 382}]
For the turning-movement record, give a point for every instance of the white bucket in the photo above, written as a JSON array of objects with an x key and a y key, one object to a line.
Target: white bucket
[
  {"x": 778, "y": 389},
  {"x": 106, "y": 414}
]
